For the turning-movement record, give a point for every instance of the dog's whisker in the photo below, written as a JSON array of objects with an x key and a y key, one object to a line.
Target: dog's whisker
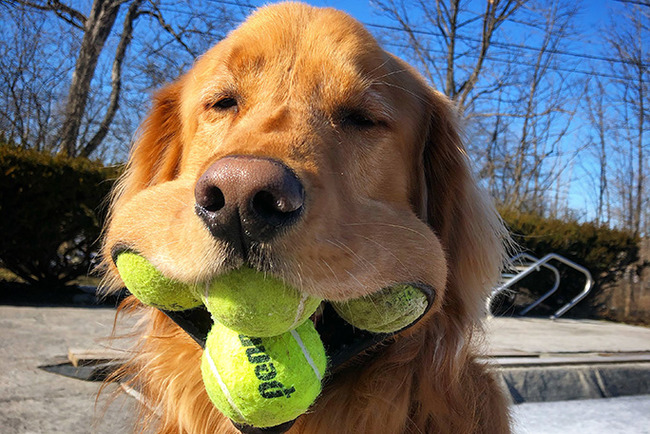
[
  {"x": 410, "y": 92},
  {"x": 344, "y": 247},
  {"x": 349, "y": 273},
  {"x": 386, "y": 249},
  {"x": 336, "y": 276},
  {"x": 378, "y": 67},
  {"x": 373, "y": 279},
  {"x": 299, "y": 274},
  {"x": 377, "y": 80},
  {"x": 392, "y": 225}
]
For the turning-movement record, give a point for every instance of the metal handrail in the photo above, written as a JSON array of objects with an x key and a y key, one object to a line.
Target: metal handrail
[
  {"x": 589, "y": 283},
  {"x": 513, "y": 279},
  {"x": 550, "y": 292}
]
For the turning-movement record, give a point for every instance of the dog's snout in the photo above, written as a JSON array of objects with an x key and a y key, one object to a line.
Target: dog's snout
[{"x": 248, "y": 196}]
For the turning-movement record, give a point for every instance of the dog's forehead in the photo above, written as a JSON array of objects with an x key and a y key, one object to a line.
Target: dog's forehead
[
  {"x": 295, "y": 42},
  {"x": 289, "y": 29}
]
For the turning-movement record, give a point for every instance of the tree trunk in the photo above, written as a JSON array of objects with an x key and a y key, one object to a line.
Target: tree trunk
[
  {"x": 450, "y": 81},
  {"x": 98, "y": 27},
  {"x": 640, "y": 172},
  {"x": 116, "y": 79}
]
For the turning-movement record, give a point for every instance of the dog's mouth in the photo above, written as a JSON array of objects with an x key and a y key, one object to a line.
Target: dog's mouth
[{"x": 345, "y": 340}]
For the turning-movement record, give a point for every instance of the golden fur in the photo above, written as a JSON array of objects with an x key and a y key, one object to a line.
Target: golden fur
[{"x": 393, "y": 202}]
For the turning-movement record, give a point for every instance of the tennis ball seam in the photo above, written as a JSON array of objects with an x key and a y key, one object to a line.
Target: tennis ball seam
[
  {"x": 256, "y": 304},
  {"x": 300, "y": 310},
  {"x": 269, "y": 387},
  {"x": 224, "y": 388},
  {"x": 306, "y": 354}
]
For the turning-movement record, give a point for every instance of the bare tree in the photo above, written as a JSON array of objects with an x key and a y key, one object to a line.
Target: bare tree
[
  {"x": 30, "y": 82},
  {"x": 549, "y": 105},
  {"x": 69, "y": 145},
  {"x": 633, "y": 67},
  {"x": 448, "y": 22},
  {"x": 601, "y": 123},
  {"x": 518, "y": 99},
  {"x": 96, "y": 27}
]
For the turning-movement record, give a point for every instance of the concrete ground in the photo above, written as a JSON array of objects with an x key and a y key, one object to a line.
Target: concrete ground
[
  {"x": 35, "y": 401},
  {"x": 518, "y": 336},
  {"x": 595, "y": 346}
]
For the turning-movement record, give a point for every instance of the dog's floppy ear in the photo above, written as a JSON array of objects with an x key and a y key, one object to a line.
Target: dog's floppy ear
[
  {"x": 461, "y": 214},
  {"x": 155, "y": 158},
  {"x": 156, "y": 154}
]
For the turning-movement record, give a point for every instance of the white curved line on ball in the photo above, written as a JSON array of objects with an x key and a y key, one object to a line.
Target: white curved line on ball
[
  {"x": 299, "y": 310},
  {"x": 223, "y": 386},
  {"x": 306, "y": 353}
]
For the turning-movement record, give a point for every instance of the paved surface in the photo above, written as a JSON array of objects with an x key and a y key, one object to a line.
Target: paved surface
[
  {"x": 35, "y": 401},
  {"x": 541, "y": 336}
]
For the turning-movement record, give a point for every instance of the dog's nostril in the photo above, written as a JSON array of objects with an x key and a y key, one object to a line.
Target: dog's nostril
[
  {"x": 212, "y": 199},
  {"x": 276, "y": 209}
]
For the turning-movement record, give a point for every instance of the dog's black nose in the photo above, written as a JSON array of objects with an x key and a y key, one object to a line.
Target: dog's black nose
[{"x": 248, "y": 197}]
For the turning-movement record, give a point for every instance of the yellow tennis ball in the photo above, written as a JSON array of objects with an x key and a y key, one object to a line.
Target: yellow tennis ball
[
  {"x": 151, "y": 287},
  {"x": 263, "y": 382},
  {"x": 385, "y": 311},
  {"x": 257, "y": 304}
]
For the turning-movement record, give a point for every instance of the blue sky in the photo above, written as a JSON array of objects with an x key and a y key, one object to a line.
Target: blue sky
[{"x": 596, "y": 12}]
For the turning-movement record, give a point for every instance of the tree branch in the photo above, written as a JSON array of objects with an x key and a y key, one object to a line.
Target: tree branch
[
  {"x": 116, "y": 79},
  {"x": 70, "y": 14},
  {"x": 156, "y": 13},
  {"x": 63, "y": 11}
]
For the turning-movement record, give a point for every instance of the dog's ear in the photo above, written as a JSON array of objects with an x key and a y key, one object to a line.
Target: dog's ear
[
  {"x": 155, "y": 158},
  {"x": 156, "y": 154},
  {"x": 461, "y": 214}
]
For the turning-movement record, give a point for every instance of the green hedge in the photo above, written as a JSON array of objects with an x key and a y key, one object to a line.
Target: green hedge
[
  {"x": 598, "y": 248},
  {"x": 51, "y": 214}
]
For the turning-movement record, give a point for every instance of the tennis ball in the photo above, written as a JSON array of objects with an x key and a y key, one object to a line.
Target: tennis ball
[
  {"x": 257, "y": 304},
  {"x": 263, "y": 382},
  {"x": 151, "y": 287},
  {"x": 386, "y": 311}
]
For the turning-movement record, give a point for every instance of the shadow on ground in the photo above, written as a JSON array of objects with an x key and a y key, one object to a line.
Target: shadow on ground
[{"x": 21, "y": 294}]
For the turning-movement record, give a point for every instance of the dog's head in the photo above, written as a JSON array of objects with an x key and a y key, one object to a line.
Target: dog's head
[{"x": 297, "y": 146}]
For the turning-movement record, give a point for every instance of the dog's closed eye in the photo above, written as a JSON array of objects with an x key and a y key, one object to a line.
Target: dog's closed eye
[
  {"x": 225, "y": 103},
  {"x": 356, "y": 118}
]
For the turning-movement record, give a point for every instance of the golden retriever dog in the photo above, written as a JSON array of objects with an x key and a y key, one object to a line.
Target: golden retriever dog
[{"x": 298, "y": 147}]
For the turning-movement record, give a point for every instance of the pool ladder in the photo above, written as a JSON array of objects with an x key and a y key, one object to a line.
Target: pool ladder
[{"x": 525, "y": 264}]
